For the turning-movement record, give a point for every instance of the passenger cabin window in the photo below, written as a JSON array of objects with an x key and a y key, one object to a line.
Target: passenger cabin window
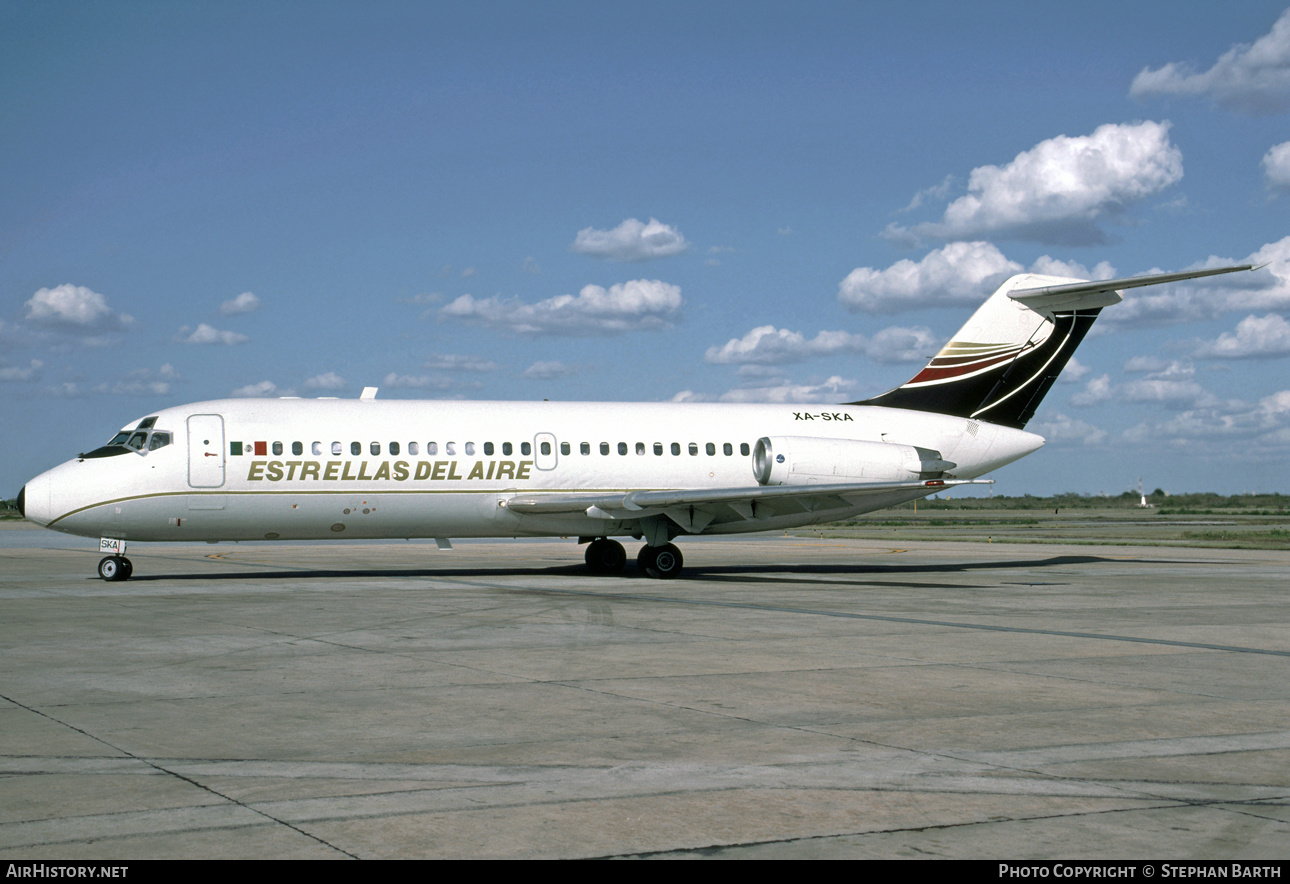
[
  {"x": 376, "y": 448},
  {"x": 545, "y": 447},
  {"x": 394, "y": 448},
  {"x": 727, "y": 450},
  {"x": 450, "y": 448},
  {"x": 564, "y": 447},
  {"x": 743, "y": 448},
  {"x": 622, "y": 447},
  {"x": 488, "y": 449},
  {"x": 604, "y": 447},
  {"x": 710, "y": 449},
  {"x": 694, "y": 449},
  {"x": 413, "y": 448},
  {"x": 277, "y": 448},
  {"x": 676, "y": 448},
  {"x": 658, "y": 449},
  {"x": 470, "y": 449},
  {"x": 507, "y": 449},
  {"x": 584, "y": 448},
  {"x": 432, "y": 448},
  {"x": 336, "y": 448},
  {"x": 297, "y": 448},
  {"x": 316, "y": 448},
  {"x": 356, "y": 448},
  {"x": 526, "y": 449}
]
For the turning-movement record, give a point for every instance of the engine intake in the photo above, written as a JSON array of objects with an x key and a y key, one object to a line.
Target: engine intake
[{"x": 808, "y": 460}]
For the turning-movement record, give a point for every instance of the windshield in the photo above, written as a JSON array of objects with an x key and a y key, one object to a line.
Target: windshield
[{"x": 138, "y": 440}]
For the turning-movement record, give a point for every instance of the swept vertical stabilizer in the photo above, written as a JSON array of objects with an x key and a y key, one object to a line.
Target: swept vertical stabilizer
[{"x": 1000, "y": 365}]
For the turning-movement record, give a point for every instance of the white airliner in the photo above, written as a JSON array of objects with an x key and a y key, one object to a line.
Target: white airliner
[{"x": 308, "y": 469}]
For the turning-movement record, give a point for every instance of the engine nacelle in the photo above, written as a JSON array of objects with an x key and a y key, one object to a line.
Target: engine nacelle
[{"x": 807, "y": 460}]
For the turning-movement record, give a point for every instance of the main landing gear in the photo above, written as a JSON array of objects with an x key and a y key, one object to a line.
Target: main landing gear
[
  {"x": 115, "y": 568},
  {"x": 605, "y": 556},
  {"x": 661, "y": 562}
]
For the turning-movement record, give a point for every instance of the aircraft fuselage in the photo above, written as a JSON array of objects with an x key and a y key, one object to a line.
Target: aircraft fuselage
[{"x": 301, "y": 469}]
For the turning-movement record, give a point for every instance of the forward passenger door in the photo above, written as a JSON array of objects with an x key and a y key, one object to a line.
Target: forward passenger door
[{"x": 205, "y": 451}]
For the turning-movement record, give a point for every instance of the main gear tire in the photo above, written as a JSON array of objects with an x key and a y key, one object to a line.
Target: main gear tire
[
  {"x": 605, "y": 556},
  {"x": 662, "y": 562}
]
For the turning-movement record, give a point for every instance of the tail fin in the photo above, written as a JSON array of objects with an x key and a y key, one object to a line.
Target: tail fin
[{"x": 999, "y": 366}]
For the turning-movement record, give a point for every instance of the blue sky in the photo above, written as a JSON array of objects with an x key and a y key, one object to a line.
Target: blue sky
[{"x": 690, "y": 201}]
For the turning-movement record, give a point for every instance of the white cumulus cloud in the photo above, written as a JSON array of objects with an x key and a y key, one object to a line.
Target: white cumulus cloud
[
  {"x": 546, "y": 370},
  {"x": 1276, "y": 165},
  {"x": 205, "y": 334},
  {"x": 1215, "y": 427},
  {"x": 768, "y": 345},
  {"x": 958, "y": 273},
  {"x": 14, "y": 373},
  {"x": 74, "y": 306},
  {"x": 1060, "y": 189},
  {"x": 142, "y": 382},
  {"x": 426, "y": 382},
  {"x": 243, "y": 303},
  {"x": 1251, "y": 78},
  {"x": 1062, "y": 428},
  {"x": 1254, "y": 337},
  {"x": 639, "y": 304},
  {"x": 328, "y": 380},
  {"x": 455, "y": 362},
  {"x": 1171, "y": 382},
  {"x": 832, "y": 389},
  {"x": 631, "y": 241},
  {"x": 262, "y": 390}
]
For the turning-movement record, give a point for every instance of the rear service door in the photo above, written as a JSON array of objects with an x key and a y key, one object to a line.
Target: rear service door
[{"x": 205, "y": 451}]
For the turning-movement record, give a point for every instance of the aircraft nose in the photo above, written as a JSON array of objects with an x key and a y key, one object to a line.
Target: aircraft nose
[{"x": 33, "y": 500}]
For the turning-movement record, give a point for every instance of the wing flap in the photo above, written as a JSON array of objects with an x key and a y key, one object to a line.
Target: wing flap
[{"x": 637, "y": 504}]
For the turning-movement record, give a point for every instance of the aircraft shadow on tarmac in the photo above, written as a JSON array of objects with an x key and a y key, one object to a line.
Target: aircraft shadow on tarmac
[{"x": 743, "y": 573}]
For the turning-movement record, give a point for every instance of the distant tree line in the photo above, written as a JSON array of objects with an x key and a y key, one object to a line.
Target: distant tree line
[{"x": 1129, "y": 499}]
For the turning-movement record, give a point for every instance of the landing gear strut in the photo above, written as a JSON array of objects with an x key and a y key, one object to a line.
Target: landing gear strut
[
  {"x": 605, "y": 556},
  {"x": 662, "y": 562},
  {"x": 115, "y": 568}
]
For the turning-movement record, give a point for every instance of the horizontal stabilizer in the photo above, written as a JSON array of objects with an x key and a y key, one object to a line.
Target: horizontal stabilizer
[{"x": 1082, "y": 294}]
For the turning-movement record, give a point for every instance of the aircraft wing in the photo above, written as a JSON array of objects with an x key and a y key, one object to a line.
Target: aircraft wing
[{"x": 744, "y": 501}]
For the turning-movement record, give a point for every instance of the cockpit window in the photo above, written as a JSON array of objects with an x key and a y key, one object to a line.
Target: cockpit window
[{"x": 139, "y": 440}]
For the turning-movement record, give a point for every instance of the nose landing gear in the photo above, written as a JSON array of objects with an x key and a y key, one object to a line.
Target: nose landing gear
[{"x": 115, "y": 568}]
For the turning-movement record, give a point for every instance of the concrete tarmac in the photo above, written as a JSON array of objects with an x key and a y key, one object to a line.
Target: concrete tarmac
[{"x": 787, "y": 698}]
